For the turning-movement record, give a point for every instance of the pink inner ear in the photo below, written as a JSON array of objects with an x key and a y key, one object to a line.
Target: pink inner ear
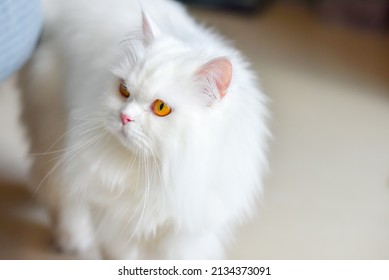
[{"x": 219, "y": 72}]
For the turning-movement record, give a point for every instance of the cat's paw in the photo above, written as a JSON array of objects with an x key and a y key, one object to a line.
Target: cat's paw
[{"x": 72, "y": 242}]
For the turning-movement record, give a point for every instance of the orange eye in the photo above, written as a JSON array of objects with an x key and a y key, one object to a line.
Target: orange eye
[
  {"x": 160, "y": 108},
  {"x": 123, "y": 89}
]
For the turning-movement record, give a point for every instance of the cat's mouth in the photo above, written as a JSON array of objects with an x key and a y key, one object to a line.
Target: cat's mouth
[
  {"x": 134, "y": 140},
  {"x": 130, "y": 136}
]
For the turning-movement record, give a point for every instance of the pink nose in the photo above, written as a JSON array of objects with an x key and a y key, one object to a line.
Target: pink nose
[{"x": 125, "y": 119}]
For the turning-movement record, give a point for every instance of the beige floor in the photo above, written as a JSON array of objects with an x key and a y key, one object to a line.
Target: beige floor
[{"x": 327, "y": 196}]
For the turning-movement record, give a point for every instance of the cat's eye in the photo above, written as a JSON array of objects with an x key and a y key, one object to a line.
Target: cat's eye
[
  {"x": 160, "y": 108},
  {"x": 123, "y": 89}
]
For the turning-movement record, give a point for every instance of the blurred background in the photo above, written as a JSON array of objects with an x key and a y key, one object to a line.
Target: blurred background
[{"x": 325, "y": 66}]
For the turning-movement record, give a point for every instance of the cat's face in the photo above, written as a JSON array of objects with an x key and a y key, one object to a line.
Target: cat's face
[
  {"x": 151, "y": 103},
  {"x": 160, "y": 91}
]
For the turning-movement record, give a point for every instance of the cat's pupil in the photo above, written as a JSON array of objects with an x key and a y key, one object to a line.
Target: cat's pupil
[{"x": 161, "y": 106}]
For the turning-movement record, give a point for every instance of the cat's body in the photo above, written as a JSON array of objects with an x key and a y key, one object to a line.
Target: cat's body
[{"x": 116, "y": 175}]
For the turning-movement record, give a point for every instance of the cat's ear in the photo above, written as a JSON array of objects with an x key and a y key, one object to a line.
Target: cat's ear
[
  {"x": 215, "y": 77},
  {"x": 149, "y": 29}
]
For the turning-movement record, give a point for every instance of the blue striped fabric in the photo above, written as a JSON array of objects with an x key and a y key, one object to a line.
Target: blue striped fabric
[{"x": 20, "y": 26}]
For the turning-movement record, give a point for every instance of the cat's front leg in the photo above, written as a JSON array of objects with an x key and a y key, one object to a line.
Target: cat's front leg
[{"x": 73, "y": 229}]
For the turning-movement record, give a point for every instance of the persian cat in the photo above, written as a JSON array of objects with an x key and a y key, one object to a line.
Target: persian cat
[{"x": 148, "y": 131}]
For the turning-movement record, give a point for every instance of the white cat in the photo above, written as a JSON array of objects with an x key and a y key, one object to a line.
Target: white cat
[{"x": 148, "y": 131}]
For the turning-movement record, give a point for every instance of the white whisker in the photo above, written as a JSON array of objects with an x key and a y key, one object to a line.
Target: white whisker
[{"x": 67, "y": 156}]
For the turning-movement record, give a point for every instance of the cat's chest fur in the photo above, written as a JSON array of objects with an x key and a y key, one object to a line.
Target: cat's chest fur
[
  {"x": 145, "y": 194},
  {"x": 119, "y": 184}
]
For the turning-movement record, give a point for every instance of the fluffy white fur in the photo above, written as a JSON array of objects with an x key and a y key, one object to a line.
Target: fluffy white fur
[{"x": 168, "y": 187}]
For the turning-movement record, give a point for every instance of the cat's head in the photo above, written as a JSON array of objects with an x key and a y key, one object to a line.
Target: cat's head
[{"x": 161, "y": 89}]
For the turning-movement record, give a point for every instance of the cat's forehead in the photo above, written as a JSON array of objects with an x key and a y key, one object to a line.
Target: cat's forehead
[
  {"x": 160, "y": 69},
  {"x": 168, "y": 56},
  {"x": 166, "y": 69}
]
